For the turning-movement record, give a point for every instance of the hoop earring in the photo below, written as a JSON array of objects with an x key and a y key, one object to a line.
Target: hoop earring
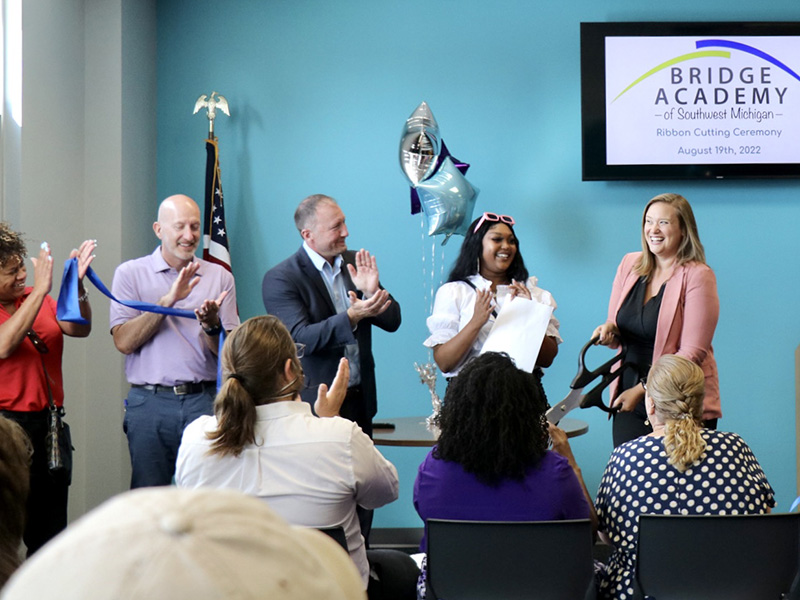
[{"x": 478, "y": 267}]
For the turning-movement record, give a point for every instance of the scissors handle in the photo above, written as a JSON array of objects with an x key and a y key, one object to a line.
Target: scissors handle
[{"x": 584, "y": 377}]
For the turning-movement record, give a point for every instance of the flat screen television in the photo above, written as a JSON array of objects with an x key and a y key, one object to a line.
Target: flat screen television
[{"x": 686, "y": 100}]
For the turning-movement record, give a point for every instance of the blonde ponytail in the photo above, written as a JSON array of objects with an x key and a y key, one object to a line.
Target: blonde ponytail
[{"x": 677, "y": 388}]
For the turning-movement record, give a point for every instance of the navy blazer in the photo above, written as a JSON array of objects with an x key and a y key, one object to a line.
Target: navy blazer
[{"x": 295, "y": 292}]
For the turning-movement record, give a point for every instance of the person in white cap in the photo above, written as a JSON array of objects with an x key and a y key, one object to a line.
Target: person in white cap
[{"x": 172, "y": 544}]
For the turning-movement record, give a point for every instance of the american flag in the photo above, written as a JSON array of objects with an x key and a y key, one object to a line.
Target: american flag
[{"x": 215, "y": 235}]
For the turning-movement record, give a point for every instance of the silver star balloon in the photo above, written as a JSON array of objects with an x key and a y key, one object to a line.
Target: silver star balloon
[{"x": 419, "y": 144}]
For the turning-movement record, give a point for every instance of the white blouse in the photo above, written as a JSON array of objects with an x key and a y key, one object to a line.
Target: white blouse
[
  {"x": 311, "y": 471},
  {"x": 453, "y": 308}
]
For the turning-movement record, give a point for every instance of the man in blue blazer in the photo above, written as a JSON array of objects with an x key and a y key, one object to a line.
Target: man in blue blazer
[{"x": 329, "y": 298}]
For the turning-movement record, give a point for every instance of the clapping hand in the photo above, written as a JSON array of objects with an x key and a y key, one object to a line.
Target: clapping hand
[
  {"x": 483, "y": 307},
  {"x": 371, "y": 307},
  {"x": 208, "y": 313},
  {"x": 85, "y": 256},
  {"x": 330, "y": 401},
  {"x": 43, "y": 270},
  {"x": 183, "y": 285},
  {"x": 519, "y": 290},
  {"x": 365, "y": 273}
]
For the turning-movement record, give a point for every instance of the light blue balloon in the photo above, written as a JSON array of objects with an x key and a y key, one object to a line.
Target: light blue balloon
[{"x": 448, "y": 200}]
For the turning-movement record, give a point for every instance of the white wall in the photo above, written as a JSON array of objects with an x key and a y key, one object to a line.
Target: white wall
[{"x": 87, "y": 170}]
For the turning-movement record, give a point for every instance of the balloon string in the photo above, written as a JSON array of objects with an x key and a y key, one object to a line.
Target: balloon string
[
  {"x": 433, "y": 275},
  {"x": 428, "y": 273}
]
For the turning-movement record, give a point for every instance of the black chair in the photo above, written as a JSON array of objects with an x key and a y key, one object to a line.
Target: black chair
[
  {"x": 547, "y": 560},
  {"x": 718, "y": 557},
  {"x": 337, "y": 533}
]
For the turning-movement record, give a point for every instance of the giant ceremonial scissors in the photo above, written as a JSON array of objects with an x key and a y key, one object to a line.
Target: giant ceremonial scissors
[{"x": 594, "y": 397}]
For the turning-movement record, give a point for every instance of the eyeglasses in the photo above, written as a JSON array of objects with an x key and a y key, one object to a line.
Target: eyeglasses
[
  {"x": 487, "y": 216},
  {"x": 37, "y": 342},
  {"x": 301, "y": 349}
]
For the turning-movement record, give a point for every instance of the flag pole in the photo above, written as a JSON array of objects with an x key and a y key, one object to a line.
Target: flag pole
[{"x": 215, "y": 236}]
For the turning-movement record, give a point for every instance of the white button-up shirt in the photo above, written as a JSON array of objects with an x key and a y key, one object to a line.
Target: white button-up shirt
[{"x": 312, "y": 471}]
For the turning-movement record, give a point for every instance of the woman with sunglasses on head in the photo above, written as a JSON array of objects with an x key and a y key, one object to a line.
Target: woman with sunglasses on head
[
  {"x": 466, "y": 306},
  {"x": 663, "y": 301},
  {"x": 31, "y": 345}
]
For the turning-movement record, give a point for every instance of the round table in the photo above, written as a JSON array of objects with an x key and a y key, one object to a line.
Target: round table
[{"x": 413, "y": 431}]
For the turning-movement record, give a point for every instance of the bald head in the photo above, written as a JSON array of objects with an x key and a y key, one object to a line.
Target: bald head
[
  {"x": 178, "y": 228},
  {"x": 175, "y": 204}
]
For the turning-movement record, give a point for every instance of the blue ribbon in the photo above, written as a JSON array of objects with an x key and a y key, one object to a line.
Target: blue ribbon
[{"x": 69, "y": 308}]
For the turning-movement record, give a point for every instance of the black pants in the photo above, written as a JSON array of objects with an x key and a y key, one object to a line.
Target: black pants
[
  {"x": 47, "y": 500},
  {"x": 393, "y": 575},
  {"x": 630, "y": 425},
  {"x": 354, "y": 409}
]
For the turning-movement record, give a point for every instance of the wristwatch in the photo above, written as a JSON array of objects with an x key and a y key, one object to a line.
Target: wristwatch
[{"x": 212, "y": 331}]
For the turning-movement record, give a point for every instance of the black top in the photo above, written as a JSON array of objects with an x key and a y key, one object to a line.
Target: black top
[{"x": 637, "y": 321}]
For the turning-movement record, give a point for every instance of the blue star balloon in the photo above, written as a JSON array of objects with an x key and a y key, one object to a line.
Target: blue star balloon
[{"x": 448, "y": 200}]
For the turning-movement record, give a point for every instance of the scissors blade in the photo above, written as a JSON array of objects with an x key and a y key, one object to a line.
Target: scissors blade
[{"x": 570, "y": 402}]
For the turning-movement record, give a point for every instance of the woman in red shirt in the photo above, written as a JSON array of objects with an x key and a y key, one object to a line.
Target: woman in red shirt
[{"x": 31, "y": 345}]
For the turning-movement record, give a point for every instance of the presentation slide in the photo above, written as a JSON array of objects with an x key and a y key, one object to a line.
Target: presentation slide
[{"x": 702, "y": 100}]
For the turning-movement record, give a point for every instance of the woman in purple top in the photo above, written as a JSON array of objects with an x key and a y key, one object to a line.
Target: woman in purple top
[{"x": 492, "y": 462}]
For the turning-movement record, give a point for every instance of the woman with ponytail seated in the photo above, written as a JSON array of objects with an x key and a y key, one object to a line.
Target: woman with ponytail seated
[
  {"x": 265, "y": 442},
  {"x": 679, "y": 469}
]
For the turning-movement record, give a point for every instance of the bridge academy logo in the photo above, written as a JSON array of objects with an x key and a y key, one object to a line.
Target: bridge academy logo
[{"x": 751, "y": 84}]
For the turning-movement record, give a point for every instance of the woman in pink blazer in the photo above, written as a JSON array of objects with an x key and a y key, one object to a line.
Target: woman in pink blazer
[{"x": 664, "y": 301}]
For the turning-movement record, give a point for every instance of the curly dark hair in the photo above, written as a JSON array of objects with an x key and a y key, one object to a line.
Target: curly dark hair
[
  {"x": 472, "y": 248},
  {"x": 492, "y": 420},
  {"x": 11, "y": 244}
]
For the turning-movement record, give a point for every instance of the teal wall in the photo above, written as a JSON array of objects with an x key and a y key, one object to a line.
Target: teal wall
[{"x": 319, "y": 91}]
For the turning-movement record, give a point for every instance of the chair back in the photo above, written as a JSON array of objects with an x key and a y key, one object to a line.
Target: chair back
[
  {"x": 476, "y": 560},
  {"x": 337, "y": 533},
  {"x": 718, "y": 557}
]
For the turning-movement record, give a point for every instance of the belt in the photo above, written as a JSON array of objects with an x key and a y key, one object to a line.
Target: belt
[{"x": 182, "y": 389}]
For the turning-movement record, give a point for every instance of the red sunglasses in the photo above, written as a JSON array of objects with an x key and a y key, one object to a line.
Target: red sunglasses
[{"x": 487, "y": 216}]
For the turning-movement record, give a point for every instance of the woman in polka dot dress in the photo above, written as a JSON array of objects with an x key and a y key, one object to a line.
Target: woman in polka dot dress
[{"x": 680, "y": 468}]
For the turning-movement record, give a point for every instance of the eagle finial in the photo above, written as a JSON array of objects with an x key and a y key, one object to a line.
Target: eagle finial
[{"x": 211, "y": 103}]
